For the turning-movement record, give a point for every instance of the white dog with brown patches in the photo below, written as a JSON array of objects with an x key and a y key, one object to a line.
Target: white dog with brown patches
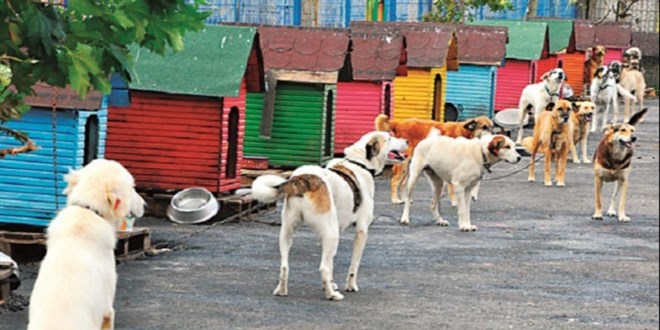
[
  {"x": 459, "y": 161},
  {"x": 75, "y": 288},
  {"x": 535, "y": 97},
  {"x": 329, "y": 200}
]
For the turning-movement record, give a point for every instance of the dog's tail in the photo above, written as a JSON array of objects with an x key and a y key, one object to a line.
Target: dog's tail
[
  {"x": 382, "y": 123},
  {"x": 625, "y": 93},
  {"x": 269, "y": 188}
]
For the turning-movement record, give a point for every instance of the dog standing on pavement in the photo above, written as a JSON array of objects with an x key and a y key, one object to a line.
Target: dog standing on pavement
[
  {"x": 552, "y": 137},
  {"x": 612, "y": 162},
  {"x": 75, "y": 288},
  {"x": 414, "y": 130},
  {"x": 535, "y": 97},
  {"x": 458, "y": 161},
  {"x": 595, "y": 61},
  {"x": 604, "y": 93},
  {"x": 580, "y": 123},
  {"x": 329, "y": 200},
  {"x": 632, "y": 80}
]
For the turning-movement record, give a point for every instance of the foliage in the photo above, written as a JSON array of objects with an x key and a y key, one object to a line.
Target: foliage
[
  {"x": 83, "y": 43},
  {"x": 450, "y": 11}
]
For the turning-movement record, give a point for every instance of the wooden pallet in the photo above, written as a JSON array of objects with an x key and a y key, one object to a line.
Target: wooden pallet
[{"x": 25, "y": 247}]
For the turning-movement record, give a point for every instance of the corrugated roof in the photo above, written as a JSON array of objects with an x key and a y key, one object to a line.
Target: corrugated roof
[
  {"x": 66, "y": 98},
  {"x": 212, "y": 64},
  {"x": 376, "y": 51},
  {"x": 428, "y": 45},
  {"x": 585, "y": 34},
  {"x": 303, "y": 49},
  {"x": 560, "y": 34},
  {"x": 527, "y": 40},
  {"x": 481, "y": 44},
  {"x": 647, "y": 43},
  {"x": 614, "y": 34}
]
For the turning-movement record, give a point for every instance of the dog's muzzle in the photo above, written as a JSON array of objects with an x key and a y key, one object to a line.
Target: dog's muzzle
[
  {"x": 628, "y": 143},
  {"x": 588, "y": 117}
]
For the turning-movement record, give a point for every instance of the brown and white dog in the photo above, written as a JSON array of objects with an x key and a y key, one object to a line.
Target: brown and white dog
[
  {"x": 612, "y": 162},
  {"x": 552, "y": 137},
  {"x": 415, "y": 130},
  {"x": 535, "y": 97},
  {"x": 580, "y": 123},
  {"x": 329, "y": 200},
  {"x": 633, "y": 81},
  {"x": 605, "y": 94},
  {"x": 458, "y": 161},
  {"x": 595, "y": 60}
]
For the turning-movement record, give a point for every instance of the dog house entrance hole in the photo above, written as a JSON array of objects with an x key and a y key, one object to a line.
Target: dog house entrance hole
[
  {"x": 232, "y": 152},
  {"x": 91, "y": 139},
  {"x": 387, "y": 101},
  {"x": 329, "y": 105},
  {"x": 437, "y": 98}
]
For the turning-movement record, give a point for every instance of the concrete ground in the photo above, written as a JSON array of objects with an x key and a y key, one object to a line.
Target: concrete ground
[{"x": 538, "y": 261}]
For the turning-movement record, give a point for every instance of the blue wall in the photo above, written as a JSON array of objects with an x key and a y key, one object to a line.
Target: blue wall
[
  {"x": 545, "y": 8},
  {"x": 27, "y": 183},
  {"x": 472, "y": 87}
]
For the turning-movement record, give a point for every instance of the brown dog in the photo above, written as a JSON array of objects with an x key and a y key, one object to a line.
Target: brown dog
[
  {"x": 595, "y": 61},
  {"x": 612, "y": 163},
  {"x": 552, "y": 137},
  {"x": 414, "y": 130},
  {"x": 580, "y": 123}
]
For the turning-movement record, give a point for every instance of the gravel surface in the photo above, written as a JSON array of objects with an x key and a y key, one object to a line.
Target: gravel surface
[{"x": 537, "y": 262}]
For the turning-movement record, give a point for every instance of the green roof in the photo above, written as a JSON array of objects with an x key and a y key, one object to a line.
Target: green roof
[
  {"x": 526, "y": 39},
  {"x": 212, "y": 63},
  {"x": 559, "y": 32}
]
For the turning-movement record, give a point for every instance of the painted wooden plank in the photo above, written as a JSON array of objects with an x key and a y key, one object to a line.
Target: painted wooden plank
[
  {"x": 573, "y": 65},
  {"x": 472, "y": 87},
  {"x": 358, "y": 103},
  {"x": 543, "y": 66},
  {"x": 511, "y": 80}
]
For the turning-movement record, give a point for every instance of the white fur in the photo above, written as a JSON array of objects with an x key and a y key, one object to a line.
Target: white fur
[
  {"x": 75, "y": 287},
  {"x": 604, "y": 93},
  {"x": 458, "y": 161},
  {"x": 298, "y": 210},
  {"x": 537, "y": 97}
]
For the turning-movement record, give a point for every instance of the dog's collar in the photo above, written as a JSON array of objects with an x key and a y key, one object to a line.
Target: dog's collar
[
  {"x": 486, "y": 163},
  {"x": 602, "y": 87},
  {"x": 87, "y": 207},
  {"x": 370, "y": 170},
  {"x": 547, "y": 90}
]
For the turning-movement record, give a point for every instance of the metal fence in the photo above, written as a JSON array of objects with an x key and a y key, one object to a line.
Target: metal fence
[{"x": 643, "y": 14}]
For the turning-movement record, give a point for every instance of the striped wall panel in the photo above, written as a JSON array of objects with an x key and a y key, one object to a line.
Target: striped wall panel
[
  {"x": 613, "y": 54},
  {"x": 511, "y": 80},
  {"x": 573, "y": 65},
  {"x": 413, "y": 94},
  {"x": 301, "y": 134},
  {"x": 543, "y": 66},
  {"x": 358, "y": 103},
  {"x": 473, "y": 88},
  {"x": 173, "y": 142},
  {"x": 28, "y": 181}
]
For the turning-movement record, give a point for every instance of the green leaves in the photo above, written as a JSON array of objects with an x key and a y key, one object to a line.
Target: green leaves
[{"x": 449, "y": 11}]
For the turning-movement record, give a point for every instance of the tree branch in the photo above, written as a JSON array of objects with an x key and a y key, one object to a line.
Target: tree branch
[{"x": 28, "y": 145}]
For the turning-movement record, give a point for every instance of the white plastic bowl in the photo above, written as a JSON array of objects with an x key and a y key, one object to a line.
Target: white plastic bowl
[{"x": 192, "y": 205}]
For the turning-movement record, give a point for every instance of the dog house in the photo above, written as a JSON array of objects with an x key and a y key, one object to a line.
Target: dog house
[
  {"x": 561, "y": 43},
  {"x": 616, "y": 37},
  {"x": 72, "y": 135},
  {"x": 528, "y": 43},
  {"x": 648, "y": 44},
  {"x": 585, "y": 36},
  {"x": 185, "y": 123},
  {"x": 293, "y": 122},
  {"x": 431, "y": 51},
  {"x": 481, "y": 51},
  {"x": 374, "y": 58}
]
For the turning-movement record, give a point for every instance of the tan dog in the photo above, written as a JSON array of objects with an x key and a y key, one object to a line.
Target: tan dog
[
  {"x": 596, "y": 60},
  {"x": 633, "y": 81},
  {"x": 330, "y": 200},
  {"x": 459, "y": 161},
  {"x": 76, "y": 284},
  {"x": 580, "y": 123},
  {"x": 612, "y": 162},
  {"x": 415, "y": 130},
  {"x": 552, "y": 137}
]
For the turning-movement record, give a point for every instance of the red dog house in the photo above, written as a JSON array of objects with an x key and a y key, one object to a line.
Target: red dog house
[{"x": 185, "y": 123}]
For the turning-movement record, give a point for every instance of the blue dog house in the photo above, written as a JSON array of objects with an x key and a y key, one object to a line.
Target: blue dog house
[{"x": 31, "y": 183}]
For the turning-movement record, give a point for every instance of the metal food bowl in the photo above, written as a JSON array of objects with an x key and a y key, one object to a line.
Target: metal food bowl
[
  {"x": 509, "y": 119},
  {"x": 192, "y": 205}
]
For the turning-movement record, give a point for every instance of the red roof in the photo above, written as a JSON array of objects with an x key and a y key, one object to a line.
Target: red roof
[
  {"x": 304, "y": 49},
  {"x": 585, "y": 34},
  {"x": 377, "y": 51},
  {"x": 614, "y": 34},
  {"x": 481, "y": 44}
]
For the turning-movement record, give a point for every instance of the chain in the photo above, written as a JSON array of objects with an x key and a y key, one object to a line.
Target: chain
[
  {"x": 514, "y": 172},
  {"x": 54, "y": 107}
]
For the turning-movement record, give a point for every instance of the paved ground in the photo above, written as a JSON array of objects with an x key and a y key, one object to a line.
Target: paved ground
[{"x": 537, "y": 262}]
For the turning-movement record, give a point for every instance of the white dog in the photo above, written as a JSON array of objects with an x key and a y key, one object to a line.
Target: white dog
[
  {"x": 459, "y": 161},
  {"x": 604, "y": 93},
  {"x": 75, "y": 287},
  {"x": 329, "y": 200},
  {"x": 536, "y": 97}
]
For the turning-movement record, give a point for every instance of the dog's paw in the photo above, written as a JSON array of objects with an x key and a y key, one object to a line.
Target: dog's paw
[
  {"x": 280, "y": 291},
  {"x": 352, "y": 288},
  {"x": 624, "y": 218},
  {"x": 404, "y": 221},
  {"x": 397, "y": 201},
  {"x": 586, "y": 161},
  {"x": 336, "y": 296},
  {"x": 597, "y": 216},
  {"x": 576, "y": 161},
  {"x": 548, "y": 183},
  {"x": 561, "y": 184},
  {"x": 531, "y": 179},
  {"x": 441, "y": 222},
  {"x": 611, "y": 213},
  {"x": 469, "y": 228}
]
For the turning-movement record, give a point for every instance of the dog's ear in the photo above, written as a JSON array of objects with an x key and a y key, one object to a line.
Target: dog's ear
[
  {"x": 496, "y": 144},
  {"x": 114, "y": 201},
  {"x": 72, "y": 180},
  {"x": 576, "y": 106},
  {"x": 471, "y": 125},
  {"x": 546, "y": 75},
  {"x": 550, "y": 106},
  {"x": 636, "y": 118},
  {"x": 372, "y": 147}
]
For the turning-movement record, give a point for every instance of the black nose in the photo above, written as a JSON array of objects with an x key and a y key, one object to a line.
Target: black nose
[{"x": 633, "y": 139}]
